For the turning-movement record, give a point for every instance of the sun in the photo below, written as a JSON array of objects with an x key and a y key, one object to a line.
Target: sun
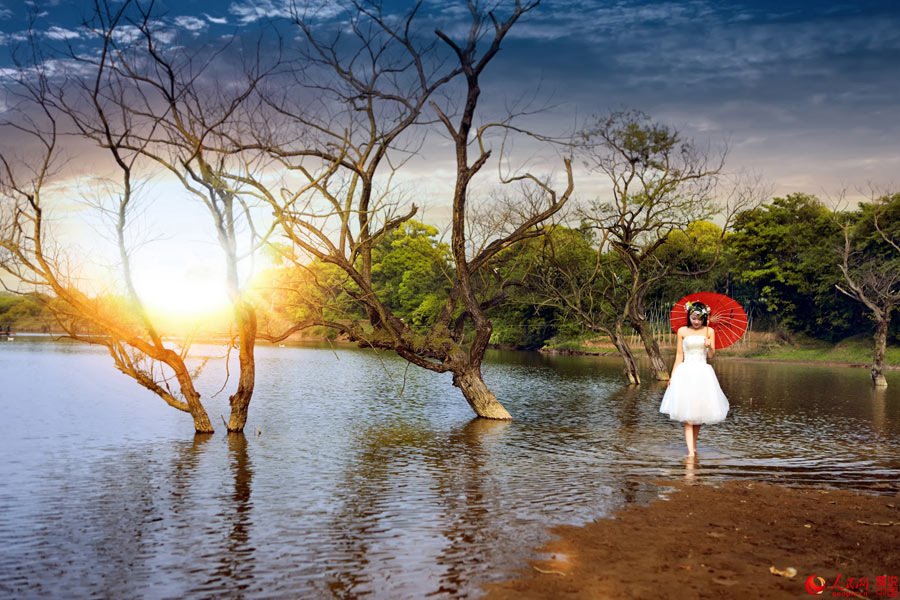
[{"x": 192, "y": 292}]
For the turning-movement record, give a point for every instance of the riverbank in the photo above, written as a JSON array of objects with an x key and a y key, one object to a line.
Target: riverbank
[
  {"x": 739, "y": 540},
  {"x": 852, "y": 352}
]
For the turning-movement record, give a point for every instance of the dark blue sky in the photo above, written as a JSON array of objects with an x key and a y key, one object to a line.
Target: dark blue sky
[{"x": 806, "y": 93}]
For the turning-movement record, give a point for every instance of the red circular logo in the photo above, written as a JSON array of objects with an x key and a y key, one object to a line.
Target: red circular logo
[{"x": 815, "y": 584}]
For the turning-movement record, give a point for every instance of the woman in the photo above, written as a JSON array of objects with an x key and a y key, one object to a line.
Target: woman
[{"x": 694, "y": 395}]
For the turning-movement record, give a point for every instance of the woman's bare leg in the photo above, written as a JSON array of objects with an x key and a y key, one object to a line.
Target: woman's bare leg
[
  {"x": 689, "y": 438},
  {"x": 696, "y": 435}
]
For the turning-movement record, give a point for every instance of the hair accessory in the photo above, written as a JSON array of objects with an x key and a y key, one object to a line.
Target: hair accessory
[{"x": 696, "y": 307}]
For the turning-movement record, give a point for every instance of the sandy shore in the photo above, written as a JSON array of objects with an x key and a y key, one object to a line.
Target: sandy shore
[{"x": 724, "y": 542}]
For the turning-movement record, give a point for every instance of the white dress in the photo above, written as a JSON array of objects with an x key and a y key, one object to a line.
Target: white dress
[{"x": 694, "y": 395}]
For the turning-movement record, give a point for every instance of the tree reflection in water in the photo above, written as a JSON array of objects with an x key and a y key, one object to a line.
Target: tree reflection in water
[
  {"x": 369, "y": 494},
  {"x": 371, "y": 535},
  {"x": 236, "y": 563},
  {"x": 470, "y": 499}
]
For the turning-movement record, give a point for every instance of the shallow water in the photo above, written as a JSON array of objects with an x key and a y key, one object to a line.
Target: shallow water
[{"x": 353, "y": 491}]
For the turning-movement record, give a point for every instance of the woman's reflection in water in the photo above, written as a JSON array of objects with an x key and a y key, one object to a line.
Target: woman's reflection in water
[{"x": 691, "y": 467}]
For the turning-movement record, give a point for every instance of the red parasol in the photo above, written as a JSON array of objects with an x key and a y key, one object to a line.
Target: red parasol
[{"x": 726, "y": 316}]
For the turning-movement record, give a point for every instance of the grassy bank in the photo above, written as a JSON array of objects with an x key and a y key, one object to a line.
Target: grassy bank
[
  {"x": 855, "y": 350},
  {"x": 850, "y": 353}
]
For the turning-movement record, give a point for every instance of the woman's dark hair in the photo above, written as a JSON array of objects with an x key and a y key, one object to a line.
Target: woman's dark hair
[{"x": 693, "y": 307}]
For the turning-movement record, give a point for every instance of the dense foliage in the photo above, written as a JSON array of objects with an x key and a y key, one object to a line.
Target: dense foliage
[
  {"x": 21, "y": 312},
  {"x": 786, "y": 253},
  {"x": 411, "y": 272}
]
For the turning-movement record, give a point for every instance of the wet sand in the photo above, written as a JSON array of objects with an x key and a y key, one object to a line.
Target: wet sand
[{"x": 701, "y": 541}]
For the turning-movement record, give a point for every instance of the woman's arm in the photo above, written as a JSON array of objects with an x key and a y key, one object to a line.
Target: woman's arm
[{"x": 710, "y": 342}]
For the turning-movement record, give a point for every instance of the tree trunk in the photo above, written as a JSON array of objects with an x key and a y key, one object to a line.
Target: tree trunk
[
  {"x": 198, "y": 413},
  {"x": 657, "y": 364},
  {"x": 240, "y": 401},
  {"x": 881, "y": 330},
  {"x": 477, "y": 394},
  {"x": 627, "y": 357},
  {"x": 201, "y": 422},
  {"x": 191, "y": 397}
]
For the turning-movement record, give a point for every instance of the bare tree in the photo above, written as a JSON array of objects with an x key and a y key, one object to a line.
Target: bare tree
[
  {"x": 151, "y": 108},
  {"x": 339, "y": 122},
  {"x": 358, "y": 109},
  {"x": 660, "y": 183},
  {"x": 171, "y": 114},
  {"x": 44, "y": 271},
  {"x": 176, "y": 111},
  {"x": 870, "y": 263}
]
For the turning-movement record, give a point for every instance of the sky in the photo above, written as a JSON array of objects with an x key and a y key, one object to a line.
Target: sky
[{"x": 804, "y": 94}]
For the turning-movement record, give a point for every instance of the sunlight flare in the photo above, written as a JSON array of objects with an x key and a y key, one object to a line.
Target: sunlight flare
[{"x": 192, "y": 293}]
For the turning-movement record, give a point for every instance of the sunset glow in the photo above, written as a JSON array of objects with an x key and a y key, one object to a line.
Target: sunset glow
[{"x": 189, "y": 294}]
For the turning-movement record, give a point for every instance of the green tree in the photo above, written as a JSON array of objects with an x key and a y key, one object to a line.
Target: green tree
[
  {"x": 787, "y": 251},
  {"x": 294, "y": 298},
  {"x": 413, "y": 272},
  {"x": 587, "y": 286},
  {"x": 21, "y": 312},
  {"x": 661, "y": 183},
  {"x": 695, "y": 251},
  {"x": 521, "y": 319}
]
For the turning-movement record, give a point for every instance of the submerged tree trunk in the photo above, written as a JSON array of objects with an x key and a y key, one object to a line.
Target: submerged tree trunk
[
  {"x": 192, "y": 399},
  {"x": 657, "y": 364},
  {"x": 470, "y": 381},
  {"x": 624, "y": 350},
  {"x": 201, "y": 419},
  {"x": 881, "y": 330},
  {"x": 240, "y": 401}
]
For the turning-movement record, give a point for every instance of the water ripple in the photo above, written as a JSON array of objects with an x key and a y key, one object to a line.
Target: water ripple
[{"x": 354, "y": 490}]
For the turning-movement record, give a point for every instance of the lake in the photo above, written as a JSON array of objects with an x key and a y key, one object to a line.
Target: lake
[{"x": 358, "y": 477}]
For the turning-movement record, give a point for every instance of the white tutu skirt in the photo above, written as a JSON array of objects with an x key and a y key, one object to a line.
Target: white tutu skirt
[{"x": 694, "y": 395}]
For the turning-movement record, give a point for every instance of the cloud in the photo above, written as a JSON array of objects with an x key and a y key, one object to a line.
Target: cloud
[
  {"x": 254, "y": 10},
  {"x": 191, "y": 23},
  {"x": 215, "y": 20},
  {"x": 696, "y": 43},
  {"x": 129, "y": 34},
  {"x": 794, "y": 86},
  {"x": 60, "y": 33},
  {"x": 12, "y": 38},
  {"x": 794, "y": 91},
  {"x": 126, "y": 34},
  {"x": 251, "y": 11}
]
